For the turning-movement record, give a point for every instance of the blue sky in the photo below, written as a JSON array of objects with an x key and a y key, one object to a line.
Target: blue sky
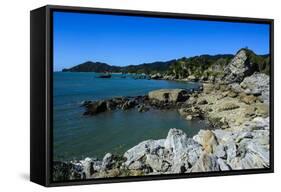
[{"x": 126, "y": 40}]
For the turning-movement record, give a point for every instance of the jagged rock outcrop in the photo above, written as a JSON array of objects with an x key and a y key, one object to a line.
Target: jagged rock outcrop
[
  {"x": 238, "y": 68},
  {"x": 158, "y": 99},
  {"x": 216, "y": 150},
  {"x": 137, "y": 153}
]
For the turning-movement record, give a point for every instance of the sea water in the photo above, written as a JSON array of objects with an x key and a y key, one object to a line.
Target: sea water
[{"x": 76, "y": 136}]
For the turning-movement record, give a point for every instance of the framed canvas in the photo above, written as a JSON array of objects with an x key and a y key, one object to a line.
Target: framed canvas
[{"x": 124, "y": 95}]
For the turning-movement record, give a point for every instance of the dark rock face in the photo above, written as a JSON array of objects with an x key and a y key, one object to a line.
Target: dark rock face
[
  {"x": 128, "y": 105},
  {"x": 96, "y": 107},
  {"x": 142, "y": 108}
]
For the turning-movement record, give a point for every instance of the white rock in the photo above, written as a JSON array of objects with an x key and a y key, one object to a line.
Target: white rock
[
  {"x": 143, "y": 148},
  {"x": 206, "y": 163},
  {"x": 222, "y": 164},
  {"x": 220, "y": 151},
  {"x": 257, "y": 84}
]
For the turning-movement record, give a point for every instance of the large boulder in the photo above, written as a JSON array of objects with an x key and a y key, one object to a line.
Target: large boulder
[
  {"x": 176, "y": 141},
  {"x": 257, "y": 84},
  {"x": 168, "y": 95},
  {"x": 184, "y": 149},
  {"x": 139, "y": 151},
  {"x": 238, "y": 68}
]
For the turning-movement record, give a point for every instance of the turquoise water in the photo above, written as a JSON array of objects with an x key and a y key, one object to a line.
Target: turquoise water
[{"x": 77, "y": 136}]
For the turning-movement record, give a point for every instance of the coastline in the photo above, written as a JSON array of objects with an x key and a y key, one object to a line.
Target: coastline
[
  {"x": 218, "y": 148},
  {"x": 237, "y": 107}
]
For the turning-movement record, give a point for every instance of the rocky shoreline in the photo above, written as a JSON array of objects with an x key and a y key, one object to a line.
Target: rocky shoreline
[
  {"x": 237, "y": 107},
  {"x": 163, "y": 99}
]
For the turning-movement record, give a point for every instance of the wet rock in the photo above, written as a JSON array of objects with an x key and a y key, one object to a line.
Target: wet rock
[
  {"x": 143, "y": 108},
  {"x": 111, "y": 105},
  {"x": 128, "y": 105},
  {"x": 96, "y": 107},
  {"x": 85, "y": 103}
]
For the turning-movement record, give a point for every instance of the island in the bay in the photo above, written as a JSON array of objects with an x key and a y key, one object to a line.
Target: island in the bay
[{"x": 232, "y": 97}]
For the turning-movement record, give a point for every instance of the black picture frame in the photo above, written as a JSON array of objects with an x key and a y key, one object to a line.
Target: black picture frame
[{"x": 41, "y": 60}]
